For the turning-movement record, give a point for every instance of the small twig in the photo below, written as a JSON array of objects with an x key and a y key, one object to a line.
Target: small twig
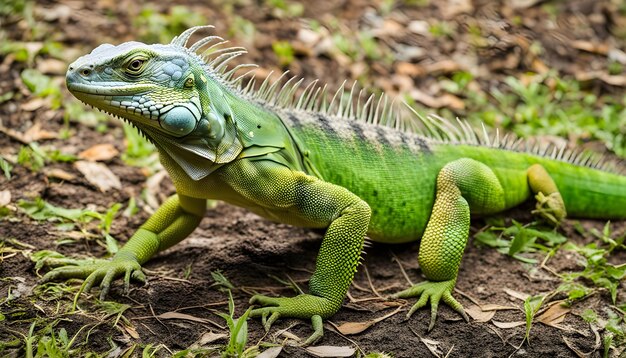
[
  {"x": 367, "y": 299},
  {"x": 360, "y": 288},
  {"x": 350, "y": 298},
  {"x": 157, "y": 318},
  {"x": 406, "y": 277},
  {"x": 369, "y": 280},
  {"x": 474, "y": 301},
  {"x": 450, "y": 351}
]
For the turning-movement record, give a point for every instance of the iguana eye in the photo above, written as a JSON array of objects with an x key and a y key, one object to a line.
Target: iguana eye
[{"x": 135, "y": 66}]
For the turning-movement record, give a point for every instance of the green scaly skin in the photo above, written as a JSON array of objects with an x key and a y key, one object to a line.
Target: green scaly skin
[{"x": 310, "y": 169}]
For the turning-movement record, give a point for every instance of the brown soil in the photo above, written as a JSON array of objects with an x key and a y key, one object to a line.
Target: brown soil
[{"x": 249, "y": 250}]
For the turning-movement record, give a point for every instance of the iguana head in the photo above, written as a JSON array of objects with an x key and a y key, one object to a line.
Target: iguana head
[{"x": 168, "y": 92}]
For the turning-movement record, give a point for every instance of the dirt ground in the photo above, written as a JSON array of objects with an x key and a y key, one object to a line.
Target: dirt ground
[{"x": 254, "y": 253}]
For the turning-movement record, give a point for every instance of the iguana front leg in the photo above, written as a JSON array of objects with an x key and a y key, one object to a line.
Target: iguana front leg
[
  {"x": 296, "y": 198},
  {"x": 172, "y": 222}
]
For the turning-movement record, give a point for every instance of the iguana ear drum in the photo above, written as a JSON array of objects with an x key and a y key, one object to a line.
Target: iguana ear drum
[{"x": 178, "y": 121}]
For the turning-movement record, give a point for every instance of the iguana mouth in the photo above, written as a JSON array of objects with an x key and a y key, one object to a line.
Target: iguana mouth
[{"x": 113, "y": 89}]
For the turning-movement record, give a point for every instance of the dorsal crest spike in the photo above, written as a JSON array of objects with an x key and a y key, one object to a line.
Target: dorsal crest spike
[
  {"x": 203, "y": 42},
  {"x": 181, "y": 40}
]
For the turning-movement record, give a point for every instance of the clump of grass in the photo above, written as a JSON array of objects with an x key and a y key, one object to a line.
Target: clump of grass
[
  {"x": 157, "y": 27},
  {"x": 518, "y": 239},
  {"x": 284, "y": 52},
  {"x": 238, "y": 332},
  {"x": 596, "y": 267}
]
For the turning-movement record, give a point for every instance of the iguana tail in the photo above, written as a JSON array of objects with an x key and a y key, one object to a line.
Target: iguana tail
[{"x": 588, "y": 192}]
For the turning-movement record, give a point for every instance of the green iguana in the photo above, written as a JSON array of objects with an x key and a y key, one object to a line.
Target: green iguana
[{"x": 354, "y": 168}]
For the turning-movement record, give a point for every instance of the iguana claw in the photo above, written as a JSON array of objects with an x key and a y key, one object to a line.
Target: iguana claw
[
  {"x": 550, "y": 207},
  {"x": 96, "y": 271},
  {"x": 301, "y": 306},
  {"x": 433, "y": 292}
]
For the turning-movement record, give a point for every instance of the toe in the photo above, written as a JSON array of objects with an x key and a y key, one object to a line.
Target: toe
[{"x": 419, "y": 304}]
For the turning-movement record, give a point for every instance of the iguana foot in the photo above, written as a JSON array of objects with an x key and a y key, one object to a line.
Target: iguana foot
[
  {"x": 433, "y": 291},
  {"x": 551, "y": 207},
  {"x": 302, "y": 306},
  {"x": 95, "y": 271}
]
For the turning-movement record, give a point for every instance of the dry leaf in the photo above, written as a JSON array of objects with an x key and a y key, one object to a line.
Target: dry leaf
[
  {"x": 153, "y": 188},
  {"x": 574, "y": 349},
  {"x": 331, "y": 351},
  {"x": 58, "y": 173},
  {"x": 478, "y": 314},
  {"x": 272, "y": 352},
  {"x": 183, "y": 316},
  {"x": 507, "y": 325},
  {"x": 290, "y": 335},
  {"x": 34, "y": 104},
  {"x": 98, "y": 175},
  {"x": 35, "y": 133},
  {"x": 493, "y": 307},
  {"x": 516, "y": 294},
  {"x": 554, "y": 315},
  {"x": 453, "y": 8},
  {"x": 443, "y": 67},
  {"x": 131, "y": 331},
  {"x": 432, "y": 345},
  {"x": 210, "y": 337},
  {"x": 99, "y": 152},
  {"x": 5, "y": 197},
  {"x": 409, "y": 69},
  {"x": 445, "y": 100},
  {"x": 589, "y": 46},
  {"x": 349, "y": 328},
  {"x": 51, "y": 66},
  {"x": 522, "y": 4}
]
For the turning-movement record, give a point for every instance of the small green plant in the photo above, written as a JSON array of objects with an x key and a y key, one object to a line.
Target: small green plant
[
  {"x": 41, "y": 210},
  {"x": 284, "y": 8},
  {"x": 531, "y": 307},
  {"x": 616, "y": 331},
  {"x": 139, "y": 151},
  {"x": 221, "y": 281},
  {"x": 6, "y": 168},
  {"x": 597, "y": 268},
  {"x": 238, "y": 332},
  {"x": 518, "y": 239},
  {"x": 78, "y": 112},
  {"x": 42, "y": 86},
  {"x": 156, "y": 27},
  {"x": 284, "y": 52},
  {"x": 441, "y": 29},
  {"x": 35, "y": 157},
  {"x": 68, "y": 219},
  {"x": 31, "y": 157},
  {"x": 242, "y": 29}
]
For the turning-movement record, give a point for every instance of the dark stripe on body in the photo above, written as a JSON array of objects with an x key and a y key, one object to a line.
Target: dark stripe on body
[
  {"x": 295, "y": 122},
  {"x": 404, "y": 140},
  {"x": 382, "y": 136},
  {"x": 326, "y": 126},
  {"x": 421, "y": 143},
  {"x": 358, "y": 131}
]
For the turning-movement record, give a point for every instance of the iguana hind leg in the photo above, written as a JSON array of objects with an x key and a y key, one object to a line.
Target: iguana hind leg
[
  {"x": 462, "y": 185},
  {"x": 550, "y": 204}
]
